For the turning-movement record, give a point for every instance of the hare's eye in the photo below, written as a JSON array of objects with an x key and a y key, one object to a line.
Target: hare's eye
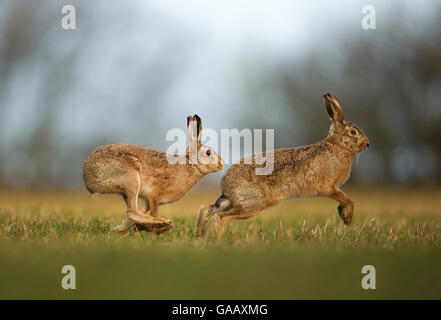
[
  {"x": 208, "y": 152},
  {"x": 353, "y": 132}
]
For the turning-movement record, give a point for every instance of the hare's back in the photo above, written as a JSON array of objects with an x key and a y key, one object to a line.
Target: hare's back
[
  {"x": 278, "y": 162},
  {"x": 288, "y": 175},
  {"x": 124, "y": 152},
  {"x": 111, "y": 161}
]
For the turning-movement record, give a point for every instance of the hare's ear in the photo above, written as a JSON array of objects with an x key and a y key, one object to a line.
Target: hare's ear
[
  {"x": 334, "y": 108},
  {"x": 199, "y": 128},
  {"x": 192, "y": 140},
  {"x": 192, "y": 130},
  {"x": 189, "y": 118}
]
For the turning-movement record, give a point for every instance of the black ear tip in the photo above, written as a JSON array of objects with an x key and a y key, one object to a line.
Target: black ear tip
[{"x": 197, "y": 118}]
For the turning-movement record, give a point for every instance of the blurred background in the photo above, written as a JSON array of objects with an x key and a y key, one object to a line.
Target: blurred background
[{"x": 133, "y": 70}]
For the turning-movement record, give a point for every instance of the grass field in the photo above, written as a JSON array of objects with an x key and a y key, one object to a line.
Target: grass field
[{"x": 297, "y": 250}]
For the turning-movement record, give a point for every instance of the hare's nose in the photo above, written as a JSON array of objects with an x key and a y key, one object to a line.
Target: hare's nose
[{"x": 367, "y": 145}]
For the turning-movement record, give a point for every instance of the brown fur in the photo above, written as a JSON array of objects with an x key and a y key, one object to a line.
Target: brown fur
[
  {"x": 315, "y": 170},
  {"x": 138, "y": 172}
]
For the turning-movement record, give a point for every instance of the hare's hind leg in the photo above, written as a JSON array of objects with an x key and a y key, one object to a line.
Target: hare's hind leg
[
  {"x": 237, "y": 211},
  {"x": 244, "y": 203},
  {"x": 224, "y": 210},
  {"x": 147, "y": 206},
  {"x": 222, "y": 218},
  {"x": 143, "y": 205},
  {"x": 345, "y": 207},
  {"x": 148, "y": 221},
  {"x": 128, "y": 223},
  {"x": 130, "y": 184},
  {"x": 202, "y": 220}
]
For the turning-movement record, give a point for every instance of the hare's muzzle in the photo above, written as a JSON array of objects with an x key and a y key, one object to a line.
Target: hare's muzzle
[
  {"x": 220, "y": 163},
  {"x": 365, "y": 145}
]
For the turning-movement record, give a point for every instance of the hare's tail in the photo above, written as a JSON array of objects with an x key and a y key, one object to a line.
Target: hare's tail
[
  {"x": 222, "y": 203},
  {"x": 205, "y": 213}
]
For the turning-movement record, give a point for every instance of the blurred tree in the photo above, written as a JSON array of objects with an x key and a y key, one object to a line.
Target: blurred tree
[
  {"x": 64, "y": 92},
  {"x": 389, "y": 83}
]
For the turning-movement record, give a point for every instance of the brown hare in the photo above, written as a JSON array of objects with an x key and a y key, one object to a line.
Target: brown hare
[
  {"x": 137, "y": 172},
  {"x": 315, "y": 170}
]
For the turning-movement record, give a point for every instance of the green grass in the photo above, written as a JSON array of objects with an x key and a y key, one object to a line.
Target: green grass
[{"x": 297, "y": 250}]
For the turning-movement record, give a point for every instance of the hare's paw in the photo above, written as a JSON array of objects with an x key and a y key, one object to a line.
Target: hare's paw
[
  {"x": 117, "y": 229},
  {"x": 157, "y": 226},
  {"x": 123, "y": 227},
  {"x": 162, "y": 229},
  {"x": 146, "y": 219}
]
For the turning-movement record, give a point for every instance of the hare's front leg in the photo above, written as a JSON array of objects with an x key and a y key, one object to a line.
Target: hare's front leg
[
  {"x": 345, "y": 207},
  {"x": 154, "y": 206}
]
